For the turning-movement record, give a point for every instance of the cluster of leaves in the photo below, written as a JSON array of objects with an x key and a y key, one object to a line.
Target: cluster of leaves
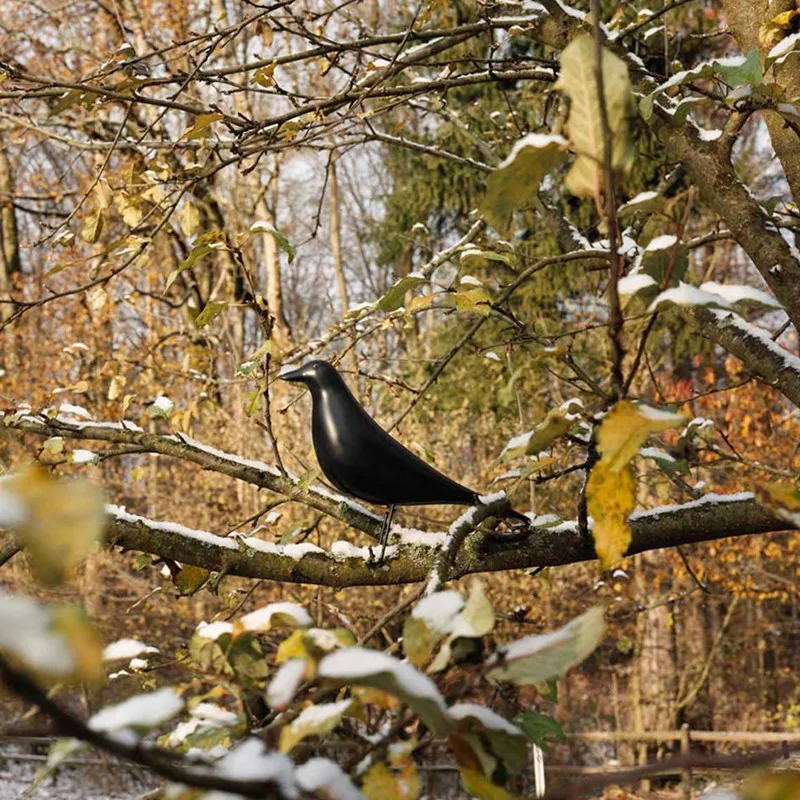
[{"x": 319, "y": 685}]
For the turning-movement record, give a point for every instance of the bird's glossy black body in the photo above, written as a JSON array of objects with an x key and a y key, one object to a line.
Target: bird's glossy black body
[{"x": 359, "y": 458}]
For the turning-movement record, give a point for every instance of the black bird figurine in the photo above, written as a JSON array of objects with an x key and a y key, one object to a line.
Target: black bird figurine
[{"x": 360, "y": 459}]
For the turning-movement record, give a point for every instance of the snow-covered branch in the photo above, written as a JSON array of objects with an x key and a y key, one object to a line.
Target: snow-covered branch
[
  {"x": 753, "y": 346},
  {"x": 410, "y": 561},
  {"x": 69, "y": 425}
]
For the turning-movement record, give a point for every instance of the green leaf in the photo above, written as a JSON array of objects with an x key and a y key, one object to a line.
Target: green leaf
[
  {"x": 247, "y": 660},
  {"x": 395, "y": 297},
  {"x": 212, "y": 310},
  {"x": 540, "y": 729},
  {"x": 197, "y": 252},
  {"x": 515, "y": 182},
  {"x": 190, "y": 579},
  {"x": 538, "y": 658},
  {"x": 262, "y": 226},
  {"x": 585, "y": 178},
  {"x": 556, "y": 424}
]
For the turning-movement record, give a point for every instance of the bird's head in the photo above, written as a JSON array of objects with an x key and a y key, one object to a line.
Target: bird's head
[{"x": 313, "y": 373}]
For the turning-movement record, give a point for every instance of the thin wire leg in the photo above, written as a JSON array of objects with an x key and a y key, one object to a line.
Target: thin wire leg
[{"x": 387, "y": 526}]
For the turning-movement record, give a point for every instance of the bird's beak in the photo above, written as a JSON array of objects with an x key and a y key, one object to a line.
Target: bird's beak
[{"x": 293, "y": 375}]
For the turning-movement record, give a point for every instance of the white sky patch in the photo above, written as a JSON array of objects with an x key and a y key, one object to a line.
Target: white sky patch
[
  {"x": 284, "y": 684},
  {"x": 139, "y": 711},
  {"x": 26, "y": 631},
  {"x": 261, "y": 618},
  {"x": 734, "y": 293},
  {"x": 324, "y": 776},
  {"x": 126, "y": 648},
  {"x": 685, "y": 295}
]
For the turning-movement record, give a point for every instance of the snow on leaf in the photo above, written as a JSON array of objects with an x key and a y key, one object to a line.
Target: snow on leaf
[
  {"x": 626, "y": 427},
  {"x": 361, "y": 667},
  {"x": 285, "y": 683},
  {"x": 250, "y": 761},
  {"x": 555, "y": 425},
  {"x": 516, "y": 181},
  {"x": 539, "y": 658},
  {"x": 325, "y": 778},
  {"x": 125, "y": 649},
  {"x": 262, "y": 619},
  {"x": 140, "y": 711},
  {"x": 732, "y": 293},
  {"x": 633, "y": 283},
  {"x": 263, "y": 226},
  {"x": 314, "y": 720}
]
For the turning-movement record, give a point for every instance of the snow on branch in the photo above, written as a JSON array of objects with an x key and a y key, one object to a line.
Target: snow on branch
[
  {"x": 754, "y": 347},
  {"x": 712, "y": 517},
  {"x": 258, "y": 473}
]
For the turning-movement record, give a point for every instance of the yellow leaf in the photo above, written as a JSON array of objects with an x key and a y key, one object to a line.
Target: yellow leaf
[
  {"x": 84, "y": 642},
  {"x": 625, "y": 429},
  {"x": 314, "y": 720},
  {"x": 201, "y": 127},
  {"x": 478, "y": 785},
  {"x": 189, "y": 218},
  {"x": 585, "y": 178},
  {"x": 610, "y": 498},
  {"x": 772, "y": 785},
  {"x": 381, "y": 781},
  {"x": 92, "y": 226},
  {"x": 62, "y": 521},
  {"x": 263, "y": 75}
]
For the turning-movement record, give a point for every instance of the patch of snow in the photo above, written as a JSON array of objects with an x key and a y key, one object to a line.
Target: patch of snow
[
  {"x": 250, "y": 761},
  {"x": 139, "y": 711},
  {"x": 213, "y": 630},
  {"x": 171, "y": 527},
  {"x": 261, "y": 619},
  {"x": 69, "y": 409},
  {"x": 735, "y": 293},
  {"x": 709, "y": 500},
  {"x": 488, "y": 718},
  {"x": 633, "y": 283},
  {"x": 654, "y": 452},
  {"x": 730, "y": 319},
  {"x": 294, "y": 551},
  {"x": 353, "y": 663},
  {"x": 663, "y": 242},
  {"x": 413, "y": 536},
  {"x": 469, "y": 280},
  {"x": 230, "y": 457},
  {"x": 685, "y": 295},
  {"x": 27, "y": 632},
  {"x": 83, "y": 457},
  {"x": 126, "y": 648},
  {"x": 439, "y": 610},
  {"x": 536, "y": 140},
  {"x": 784, "y": 46},
  {"x": 323, "y": 776},
  {"x": 164, "y": 404},
  {"x": 492, "y": 356},
  {"x": 284, "y": 684}
]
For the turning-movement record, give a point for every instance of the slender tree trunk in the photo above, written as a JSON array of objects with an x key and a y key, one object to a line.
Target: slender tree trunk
[{"x": 9, "y": 256}]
